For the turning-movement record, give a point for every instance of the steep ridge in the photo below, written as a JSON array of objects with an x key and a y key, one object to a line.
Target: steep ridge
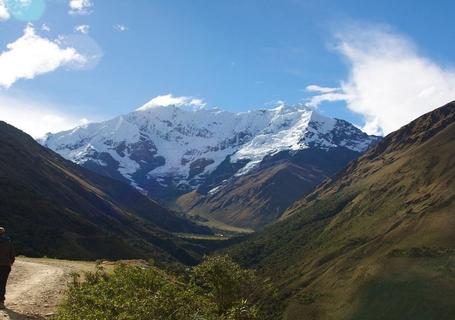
[
  {"x": 376, "y": 241},
  {"x": 171, "y": 150},
  {"x": 53, "y": 207},
  {"x": 260, "y": 197}
]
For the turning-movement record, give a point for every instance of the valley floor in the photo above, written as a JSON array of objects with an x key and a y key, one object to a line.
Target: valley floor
[{"x": 36, "y": 286}]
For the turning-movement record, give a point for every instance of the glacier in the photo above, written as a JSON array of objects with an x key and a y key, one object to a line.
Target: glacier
[{"x": 181, "y": 144}]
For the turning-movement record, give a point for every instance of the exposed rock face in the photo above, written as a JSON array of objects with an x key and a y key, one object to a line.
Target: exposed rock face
[
  {"x": 259, "y": 197},
  {"x": 172, "y": 150}
]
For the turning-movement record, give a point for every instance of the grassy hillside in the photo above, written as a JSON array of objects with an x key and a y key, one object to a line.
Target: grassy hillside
[
  {"x": 377, "y": 240},
  {"x": 52, "y": 207}
]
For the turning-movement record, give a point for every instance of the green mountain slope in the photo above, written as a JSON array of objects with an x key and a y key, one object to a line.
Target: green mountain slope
[
  {"x": 53, "y": 207},
  {"x": 377, "y": 241}
]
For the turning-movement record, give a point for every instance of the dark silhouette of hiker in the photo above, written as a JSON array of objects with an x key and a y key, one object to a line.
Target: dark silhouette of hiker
[{"x": 7, "y": 257}]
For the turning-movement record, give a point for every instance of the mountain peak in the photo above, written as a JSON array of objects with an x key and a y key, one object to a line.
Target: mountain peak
[{"x": 176, "y": 142}]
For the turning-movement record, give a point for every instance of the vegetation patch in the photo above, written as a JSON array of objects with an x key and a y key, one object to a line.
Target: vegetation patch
[
  {"x": 305, "y": 297},
  {"x": 399, "y": 297},
  {"x": 423, "y": 252},
  {"x": 216, "y": 289}
]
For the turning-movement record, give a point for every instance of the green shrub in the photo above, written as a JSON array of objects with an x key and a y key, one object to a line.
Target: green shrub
[
  {"x": 224, "y": 281},
  {"x": 217, "y": 289},
  {"x": 132, "y": 293},
  {"x": 242, "y": 311}
]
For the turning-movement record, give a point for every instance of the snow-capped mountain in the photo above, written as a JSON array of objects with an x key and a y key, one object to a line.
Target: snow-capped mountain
[{"x": 176, "y": 147}]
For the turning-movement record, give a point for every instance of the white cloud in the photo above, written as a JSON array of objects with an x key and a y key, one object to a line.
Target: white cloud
[
  {"x": 4, "y": 14},
  {"x": 32, "y": 55},
  {"x": 319, "y": 89},
  {"x": 36, "y": 118},
  {"x": 120, "y": 27},
  {"x": 45, "y": 27},
  {"x": 390, "y": 83},
  {"x": 83, "y": 28},
  {"x": 315, "y": 101},
  {"x": 80, "y": 7},
  {"x": 170, "y": 100}
]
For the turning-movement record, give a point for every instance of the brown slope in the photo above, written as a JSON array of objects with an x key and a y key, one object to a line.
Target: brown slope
[
  {"x": 375, "y": 242},
  {"x": 260, "y": 197},
  {"x": 256, "y": 199},
  {"x": 53, "y": 207}
]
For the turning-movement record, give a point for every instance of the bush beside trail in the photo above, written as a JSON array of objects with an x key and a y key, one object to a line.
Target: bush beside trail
[{"x": 217, "y": 289}]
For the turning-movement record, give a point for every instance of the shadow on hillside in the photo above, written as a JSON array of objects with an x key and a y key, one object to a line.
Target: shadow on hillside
[{"x": 8, "y": 314}]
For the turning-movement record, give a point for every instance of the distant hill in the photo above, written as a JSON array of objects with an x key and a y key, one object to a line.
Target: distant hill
[
  {"x": 53, "y": 207},
  {"x": 376, "y": 241}
]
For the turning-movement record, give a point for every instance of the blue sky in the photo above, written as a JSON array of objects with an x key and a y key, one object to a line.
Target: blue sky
[{"x": 234, "y": 54}]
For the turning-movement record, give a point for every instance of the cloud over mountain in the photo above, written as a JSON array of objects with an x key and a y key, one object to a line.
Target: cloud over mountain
[
  {"x": 390, "y": 82},
  {"x": 170, "y": 100}
]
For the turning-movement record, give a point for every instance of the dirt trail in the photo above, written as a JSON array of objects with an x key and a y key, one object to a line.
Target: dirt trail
[{"x": 36, "y": 286}]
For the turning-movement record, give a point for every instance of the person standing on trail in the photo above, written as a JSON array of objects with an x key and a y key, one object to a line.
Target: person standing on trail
[{"x": 7, "y": 257}]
